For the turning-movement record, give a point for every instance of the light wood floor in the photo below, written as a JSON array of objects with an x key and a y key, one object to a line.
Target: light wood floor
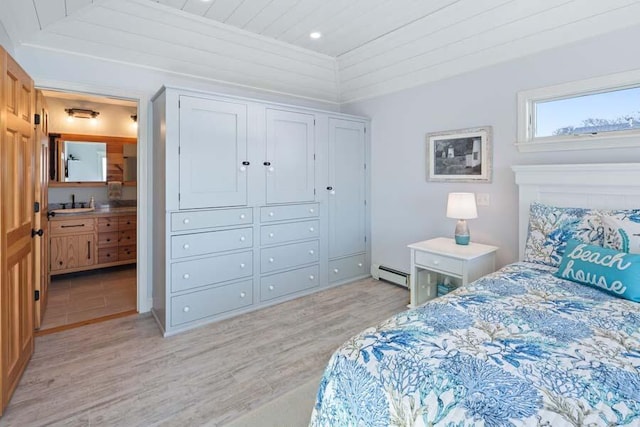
[
  {"x": 79, "y": 297},
  {"x": 122, "y": 372}
]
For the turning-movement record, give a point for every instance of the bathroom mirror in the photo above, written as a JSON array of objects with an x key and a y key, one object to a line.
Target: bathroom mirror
[{"x": 92, "y": 159}]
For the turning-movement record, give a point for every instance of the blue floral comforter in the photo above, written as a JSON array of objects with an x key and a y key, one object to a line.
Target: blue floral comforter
[{"x": 518, "y": 347}]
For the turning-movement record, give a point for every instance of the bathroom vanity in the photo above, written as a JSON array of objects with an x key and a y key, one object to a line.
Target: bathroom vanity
[{"x": 104, "y": 237}]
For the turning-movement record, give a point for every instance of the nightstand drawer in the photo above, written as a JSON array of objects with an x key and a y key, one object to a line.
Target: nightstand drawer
[{"x": 439, "y": 262}]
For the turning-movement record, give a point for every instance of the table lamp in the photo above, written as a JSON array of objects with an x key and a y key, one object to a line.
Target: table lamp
[{"x": 462, "y": 206}]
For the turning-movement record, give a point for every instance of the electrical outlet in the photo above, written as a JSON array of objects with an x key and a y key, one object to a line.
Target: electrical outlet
[{"x": 483, "y": 199}]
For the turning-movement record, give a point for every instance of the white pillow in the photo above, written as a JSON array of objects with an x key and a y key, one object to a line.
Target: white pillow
[{"x": 622, "y": 233}]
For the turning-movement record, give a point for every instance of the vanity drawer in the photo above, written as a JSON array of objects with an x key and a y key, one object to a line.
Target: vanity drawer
[
  {"x": 127, "y": 222},
  {"x": 439, "y": 262},
  {"x": 181, "y": 221},
  {"x": 209, "y": 302},
  {"x": 106, "y": 224},
  {"x": 213, "y": 241},
  {"x": 127, "y": 237},
  {"x": 277, "y": 285},
  {"x": 287, "y": 256},
  {"x": 280, "y": 213},
  {"x": 280, "y": 233},
  {"x": 107, "y": 239},
  {"x": 346, "y": 268},
  {"x": 126, "y": 252},
  {"x": 106, "y": 255},
  {"x": 207, "y": 271},
  {"x": 72, "y": 226}
]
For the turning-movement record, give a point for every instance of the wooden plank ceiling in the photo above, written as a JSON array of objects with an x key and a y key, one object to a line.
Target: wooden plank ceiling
[{"x": 368, "y": 48}]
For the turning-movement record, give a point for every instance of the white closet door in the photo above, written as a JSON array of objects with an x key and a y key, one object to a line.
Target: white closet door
[
  {"x": 289, "y": 164},
  {"x": 213, "y": 148},
  {"x": 347, "y": 177}
]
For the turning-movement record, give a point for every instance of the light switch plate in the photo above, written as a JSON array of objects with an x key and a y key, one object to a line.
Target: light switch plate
[{"x": 483, "y": 199}]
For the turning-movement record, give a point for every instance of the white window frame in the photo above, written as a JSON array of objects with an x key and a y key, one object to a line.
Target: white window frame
[{"x": 526, "y": 111}]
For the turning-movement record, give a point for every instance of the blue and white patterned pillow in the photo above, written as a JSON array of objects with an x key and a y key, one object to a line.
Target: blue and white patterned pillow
[
  {"x": 551, "y": 227},
  {"x": 622, "y": 230}
]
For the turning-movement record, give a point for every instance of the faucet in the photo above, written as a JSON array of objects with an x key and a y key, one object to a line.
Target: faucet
[{"x": 73, "y": 201}]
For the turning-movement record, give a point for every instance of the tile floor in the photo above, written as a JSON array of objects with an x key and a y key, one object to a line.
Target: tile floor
[{"x": 78, "y": 297}]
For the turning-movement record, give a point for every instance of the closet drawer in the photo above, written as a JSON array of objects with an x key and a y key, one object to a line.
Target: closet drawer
[
  {"x": 72, "y": 226},
  {"x": 207, "y": 271},
  {"x": 346, "y": 268},
  {"x": 126, "y": 252},
  {"x": 209, "y": 302},
  {"x": 181, "y": 221},
  {"x": 213, "y": 241},
  {"x": 288, "y": 232},
  {"x": 106, "y": 255},
  {"x": 106, "y": 240},
  {"x": 127, "y": 222},
  {"x": 107, "y": 224},
  {"x": 280, "y": 213},
  {"x": 277, "y": 285},
  {"x": 127, "y": 237},
  {"x": 281, "y": 257}
]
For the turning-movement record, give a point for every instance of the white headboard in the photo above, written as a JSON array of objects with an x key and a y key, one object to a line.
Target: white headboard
[{"x": 596, "y": 186}]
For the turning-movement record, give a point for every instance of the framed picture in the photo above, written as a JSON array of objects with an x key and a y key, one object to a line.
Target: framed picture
[{"x": 462, "y": 155}]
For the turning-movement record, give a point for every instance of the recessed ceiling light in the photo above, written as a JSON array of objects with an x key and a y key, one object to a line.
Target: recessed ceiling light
[{"x": 315, "y": 35}]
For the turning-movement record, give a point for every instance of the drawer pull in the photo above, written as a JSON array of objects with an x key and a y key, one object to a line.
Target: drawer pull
[
  {"x": 242, "y": 265},
  {"x": 271, "y": 260},
  {"x": 332, "y": 192},
  {"x": 186, "y": 309},
  {"x": 242, "y": 216},
  {"x": 243, "y": 168},
  {"x": 243, "y": 294},
  {"x": 271, "y": 234},
  {"x": 72, "y": 226},
  {"x": 271, "y": 169},
  {"x": 436, "y": 262},
  {"x": 186, "y": 221},
  {"x": 242, "y": 238},
  {"x": 271, "y": 287},
  {"x": 311, "y": 252},
  {"x": 336, "y": 271},
  {"x": 311, "y": 277},
  {"x": 185, "y": 276},
  {"x": 185, "y": 246},
  {"x": 311, "y": 210},
  {"x": 311, "y": 229},
  {"x": 360, "y": 264},
  {"x": 271, "y": 214}
]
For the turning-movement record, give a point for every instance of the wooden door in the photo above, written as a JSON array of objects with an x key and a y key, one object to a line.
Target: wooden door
[
  {"x": 213, "y": 148},
  {"x": 41, "y": 221},
  {"x": 86, "y": 250},
  {"x": 290, "y": 157},
  {"x": 347, "y": 179},
  {"x": 17, "y": 188}
]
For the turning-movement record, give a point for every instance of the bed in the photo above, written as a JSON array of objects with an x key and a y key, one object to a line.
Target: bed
[{"x": 518, "y": 347}]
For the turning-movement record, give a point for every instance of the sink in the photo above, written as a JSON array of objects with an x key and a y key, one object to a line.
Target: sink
[{"x": 72, "y": 211}]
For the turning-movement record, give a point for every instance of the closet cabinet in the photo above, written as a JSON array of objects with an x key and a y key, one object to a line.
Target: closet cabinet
[{"x": 242, "y": 219}]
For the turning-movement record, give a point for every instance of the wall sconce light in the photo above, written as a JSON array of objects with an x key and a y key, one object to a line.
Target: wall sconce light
[{"x": 81, "y": 113}]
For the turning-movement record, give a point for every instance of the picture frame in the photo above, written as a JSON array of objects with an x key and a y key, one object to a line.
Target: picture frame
[{"x": 462, "y": 155}]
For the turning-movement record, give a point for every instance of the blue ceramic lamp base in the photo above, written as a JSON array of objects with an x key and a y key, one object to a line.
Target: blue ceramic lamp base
[{"x": 462, "y": 235}]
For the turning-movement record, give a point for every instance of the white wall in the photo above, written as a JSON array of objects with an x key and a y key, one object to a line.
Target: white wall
[
  {"x": 5, "y": 40},
  {"x": 114, "y": 120},
  {"x": 406, "y": 208}
]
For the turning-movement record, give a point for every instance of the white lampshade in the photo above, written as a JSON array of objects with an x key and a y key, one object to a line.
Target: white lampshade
[{"x": 462, "y": 206}]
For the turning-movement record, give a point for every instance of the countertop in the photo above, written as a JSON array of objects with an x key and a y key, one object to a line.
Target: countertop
[{"x": 98, "y": 212}]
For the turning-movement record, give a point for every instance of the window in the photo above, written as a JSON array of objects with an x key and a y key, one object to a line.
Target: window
[{"x": 595, "y": 113}]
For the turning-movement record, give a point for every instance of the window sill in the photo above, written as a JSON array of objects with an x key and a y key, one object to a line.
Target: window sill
[{"x": 582, "y": 143}]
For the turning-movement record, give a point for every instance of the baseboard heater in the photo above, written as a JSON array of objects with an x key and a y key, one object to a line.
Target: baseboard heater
[{"x": 380, "y": 272}]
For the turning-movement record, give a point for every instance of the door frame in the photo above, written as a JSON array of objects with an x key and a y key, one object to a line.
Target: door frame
[{"x": 143, "y": 279}]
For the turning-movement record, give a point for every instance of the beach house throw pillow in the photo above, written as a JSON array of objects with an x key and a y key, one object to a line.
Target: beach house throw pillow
[{"x": 615, "y": 272}]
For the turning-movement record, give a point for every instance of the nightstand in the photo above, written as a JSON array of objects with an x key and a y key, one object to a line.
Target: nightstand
[{"x": 442, "y": 260}]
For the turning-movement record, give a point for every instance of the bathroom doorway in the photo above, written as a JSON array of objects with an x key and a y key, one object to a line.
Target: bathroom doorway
[{"x": 92, "y": 192}]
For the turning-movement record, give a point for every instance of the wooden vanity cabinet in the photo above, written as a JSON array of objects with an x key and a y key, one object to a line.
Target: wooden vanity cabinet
[
  {"x": 92, "y": 242},
  {"x": 72, "y": 245}
]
